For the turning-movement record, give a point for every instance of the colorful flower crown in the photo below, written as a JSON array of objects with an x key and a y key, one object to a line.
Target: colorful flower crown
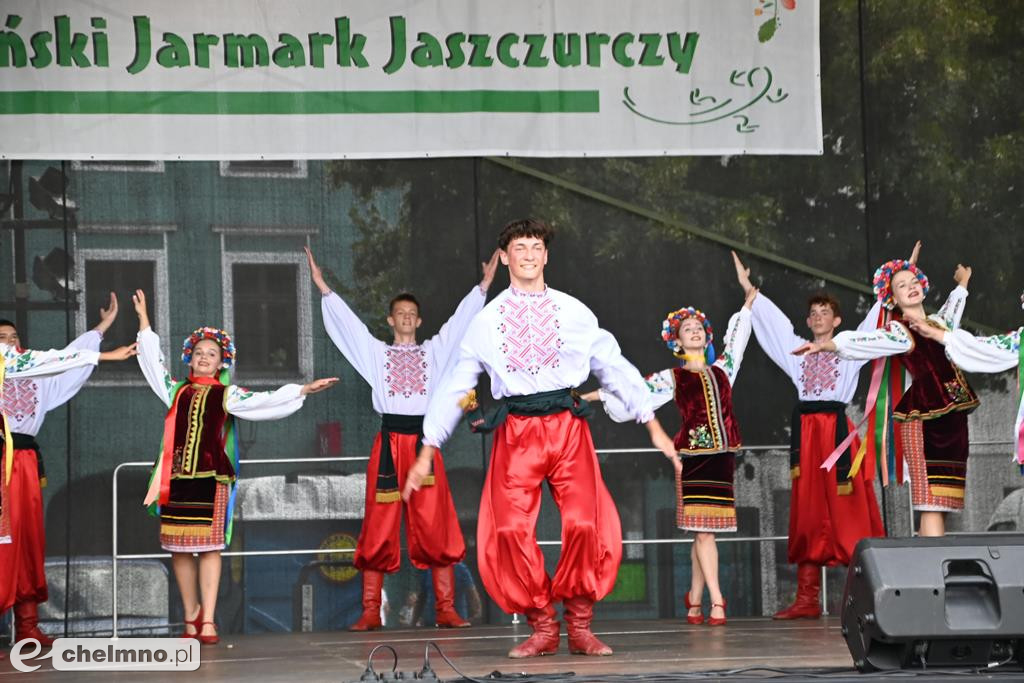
[
  {"x": 223, "y": 339},
  {"x": 670, "y": 331},
  {"x": 882, "y": 282}
]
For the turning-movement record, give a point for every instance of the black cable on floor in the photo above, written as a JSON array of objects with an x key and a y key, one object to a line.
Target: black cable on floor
[{"x": 427, "y": 674}]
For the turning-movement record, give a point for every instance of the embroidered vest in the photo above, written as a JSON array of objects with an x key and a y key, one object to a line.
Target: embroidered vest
[
  {"x": 938, "y": 387},
  {"x": 199, "y": 447},
  {"x": 704, "y": 399}
]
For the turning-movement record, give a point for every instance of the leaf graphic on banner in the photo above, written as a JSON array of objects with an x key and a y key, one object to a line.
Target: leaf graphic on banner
[
  {"x": 696, "y": 98},
  {"x": 744, "y": 126},
  {"x": 767, "y": 30},
  {"x": 759, "y": 79}
]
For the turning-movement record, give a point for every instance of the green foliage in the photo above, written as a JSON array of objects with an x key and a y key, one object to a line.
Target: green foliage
[
  {"x": 767, "y": 30},
  {"x": 942, "y": 161}
]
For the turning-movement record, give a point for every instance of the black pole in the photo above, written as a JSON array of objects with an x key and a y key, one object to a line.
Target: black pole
[
  {"x": 68, "y": 298},
  {"x": 867, "y": 185},
  {"x": 21, "y": 289}
]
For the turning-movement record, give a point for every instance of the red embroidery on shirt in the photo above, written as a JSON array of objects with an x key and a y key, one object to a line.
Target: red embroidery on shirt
[
  {"x": 820, "y": 373},
  {"x": 20, "y": 399},
  {"x": 529, "y": 328},
  {"x": 406, "y": 368}
]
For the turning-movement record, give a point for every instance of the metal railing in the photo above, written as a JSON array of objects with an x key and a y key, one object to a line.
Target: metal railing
[{"x": 115, "y": 557}]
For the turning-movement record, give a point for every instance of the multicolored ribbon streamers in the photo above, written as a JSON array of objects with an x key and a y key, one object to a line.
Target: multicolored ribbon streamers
[
  {"x": 887, "y": 382},
  {"x": 159, "y": 489},
  {"x": 1020, "y": 396}
]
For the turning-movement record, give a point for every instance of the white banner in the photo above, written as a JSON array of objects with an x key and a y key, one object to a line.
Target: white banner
[{"x": 263, "y": 79}]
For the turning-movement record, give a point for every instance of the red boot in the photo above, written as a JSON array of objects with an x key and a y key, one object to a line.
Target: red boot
[
  {"x": 544, "y": 640},
  {"x": 370, "y": 619},
  {"x": 444, "y": 599},
  {"x": 808, "y": 591},
  {"x": 578, "y": 613},
  {"x": 26, "y": 623}
]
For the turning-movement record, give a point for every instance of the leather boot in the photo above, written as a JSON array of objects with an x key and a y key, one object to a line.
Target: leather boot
[
  {"x": 370, "y": 620},
  {"x": 444, "y": 599},
  {"x": 26, "y": 623},
  {"x": 544, "y": 640},
  {"x": 808, "y": 594},
  {"x": 578, "y": 613}
]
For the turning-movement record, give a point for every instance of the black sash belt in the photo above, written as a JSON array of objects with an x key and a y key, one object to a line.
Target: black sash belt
[
  {"x": 541, "y": 403},
  {"x": 387, "y": 478},
  {"x": 838, "y": 409},
  {"x": 24, "y": 442}
]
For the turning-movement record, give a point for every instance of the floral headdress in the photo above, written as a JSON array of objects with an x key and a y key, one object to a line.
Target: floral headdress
[
  {"x": 883, "y": 280},
  {"x": 222, "y": 338},
  {"x": 670, "y": 332}
]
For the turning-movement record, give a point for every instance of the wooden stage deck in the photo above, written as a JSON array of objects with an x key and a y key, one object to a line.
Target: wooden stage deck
[{"x": 641, "y": 647}]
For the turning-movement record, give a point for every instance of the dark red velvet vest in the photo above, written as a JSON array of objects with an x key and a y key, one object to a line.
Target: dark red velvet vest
[
  {"x": 199, "y": 433},
  {"x": 704, "y": 400},
  {"x": 938, "y": 388}
]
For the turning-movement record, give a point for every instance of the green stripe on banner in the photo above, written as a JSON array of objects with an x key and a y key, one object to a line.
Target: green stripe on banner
[{"x": 105, "y": 102}]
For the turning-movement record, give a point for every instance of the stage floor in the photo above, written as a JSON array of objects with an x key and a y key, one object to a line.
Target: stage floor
[{"x": 641, "y": 647}]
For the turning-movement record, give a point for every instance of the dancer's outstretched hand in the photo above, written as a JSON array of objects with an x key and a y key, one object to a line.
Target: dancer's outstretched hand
[
  {"x": 923, "y": 328},
  {"x": 742, "y": 273},
  {"x": 962, "y": 275},
  {"x": 490, "y": 268},
  {"x": 916, "y": 252},
  {"x": 316, "y": 274},
  {"x": 663, "y": 442},
  {"x": 813, "y": 347},
  {"x": 108, "y": 315},
  {"x": 120, "y": 353},
  {"x": 419, "y": 471},
  {"x": 139, "y": 299},
  {"x": 318, "y": 385}
]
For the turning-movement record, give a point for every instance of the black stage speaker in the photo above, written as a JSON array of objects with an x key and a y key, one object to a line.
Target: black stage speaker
[{"x": 951, "y": 601}]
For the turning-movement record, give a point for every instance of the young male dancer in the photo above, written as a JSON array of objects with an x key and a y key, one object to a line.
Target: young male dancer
[
  {"x": 829, "y": 510},
  {"x": 538, "y": 344},
  {"x": 402, "y": 376},
  {"x": 35, "y": 383}
]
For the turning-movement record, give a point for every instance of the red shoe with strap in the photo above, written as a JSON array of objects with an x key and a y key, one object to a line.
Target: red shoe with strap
[
  {"x": 717, "y": 621},
  {"x": 444, "y": 599},
  {"x": 205, "y": 639},
  {"x": 544, "y": 640},
  {"x": 370, "y": 619},
  {"x": 579, "y": 611},
  {"x": 807, "y": 604},
  {"x": 196, "y": 623},
  {"x": 692, "y": 619}
]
